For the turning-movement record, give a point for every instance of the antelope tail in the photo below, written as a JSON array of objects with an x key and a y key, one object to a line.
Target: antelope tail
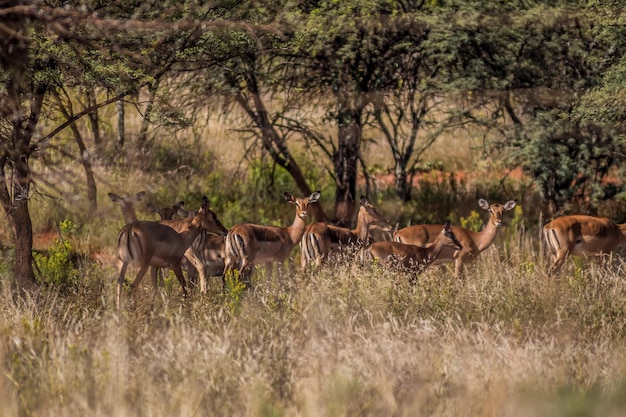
[
  {"x": 311, "y": 247},
  {"x": 128, "y": 244},
  {"x": 552, "y": 240},
  {"x": 234, "y": 246}
]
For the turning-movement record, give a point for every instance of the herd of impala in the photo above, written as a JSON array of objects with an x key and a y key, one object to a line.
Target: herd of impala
[{"x": 198, "y": 242}]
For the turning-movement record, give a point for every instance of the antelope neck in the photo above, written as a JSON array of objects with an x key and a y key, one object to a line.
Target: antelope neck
[
  {"x": 296, "y": 230},
  {"x": 485, "y": 237},
  {"x": 362, "y": 224},
  {"x": 191, "y": 227}
]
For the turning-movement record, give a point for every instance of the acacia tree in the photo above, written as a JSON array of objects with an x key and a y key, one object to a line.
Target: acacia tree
[
  {"x": 346, "y": 57},
  {"x": 21, "y": 106},
  {"x": 578, "y": 153},
  {"x": 530, "y": 65},
  {"x": 46, "y": 49},
  {"x": 412, "y": 115},
  {"x": 35, "y": 53},
  {"x": 245, "y": 88}
]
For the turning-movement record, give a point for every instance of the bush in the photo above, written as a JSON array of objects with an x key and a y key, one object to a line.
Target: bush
[{"x": 56, "y": 267}]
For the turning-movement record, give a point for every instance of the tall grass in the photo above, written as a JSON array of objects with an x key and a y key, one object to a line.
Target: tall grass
[{"x": 349, "y": 339}]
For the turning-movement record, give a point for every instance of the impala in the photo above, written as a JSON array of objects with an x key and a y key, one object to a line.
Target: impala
[
  {"x": 411, "y": 257},
  {"x": 320, "y": 239},
  {"x": 127, "y": 205},
  {"x": 208, "y": 248},
  {"x": 168, "y": 213},
  {"x": 151, "y": 244},
  {"x": 253, "y": 244},
  {"x": 211, "y": 250},
  {"x": 194, "y": 253},
  {"x": 581, "y": 235},
  {"x": 473, "y": 242}
]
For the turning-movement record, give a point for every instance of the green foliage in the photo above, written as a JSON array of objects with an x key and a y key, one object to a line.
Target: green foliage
[
  {"x": 518, "y": 219},
  {"x": 258, "y": 198},
  {"x": 473, "y": 222},
  {"x": 56, "y": 267},
  {"x": 235, "y": 292},
  {"x": 568, "y": 162},
  {"x": 517, "y": 224}
]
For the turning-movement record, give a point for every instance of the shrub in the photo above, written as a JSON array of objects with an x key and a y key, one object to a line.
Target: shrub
[{"x": 55, "y": 267}]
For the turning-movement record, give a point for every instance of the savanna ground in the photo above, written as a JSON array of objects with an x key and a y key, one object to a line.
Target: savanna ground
[{"x": 346, "y": 340}]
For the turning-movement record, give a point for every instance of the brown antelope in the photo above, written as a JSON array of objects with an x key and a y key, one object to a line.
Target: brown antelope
[
  {"x": 411, "y": 257},
  {"x": 157, "y": 245},
  {"x": 252, "y": 244},
  {"x": 211, "y": 250},
  {"x": 581, "y": 235},
  {"x": 194, "y": 254},
  {"x": 208, "y": 248},
  {"x": 320, "y": 239},
  {"x": 168, "y": 213},
  {"x": 473, "y": 242},
  {"x": 127, "y": 205}
]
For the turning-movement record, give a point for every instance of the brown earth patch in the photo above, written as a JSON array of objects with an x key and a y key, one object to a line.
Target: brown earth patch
[
  {"x": 43, "y": 241},
  {"x": 388, "y": 179}
]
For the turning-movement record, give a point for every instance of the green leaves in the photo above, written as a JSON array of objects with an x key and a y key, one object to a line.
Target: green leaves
[{"x": 570, "y": 162}]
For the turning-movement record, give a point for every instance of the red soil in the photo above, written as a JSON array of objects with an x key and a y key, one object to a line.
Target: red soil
[{"x": 388, "y": 179}]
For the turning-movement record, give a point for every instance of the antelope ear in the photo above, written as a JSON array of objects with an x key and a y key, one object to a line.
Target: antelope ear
[
  {"x": 205, "y": 203},
  {"x": 314, "y": 197},
  {"x": 364, "y": 201},
  {"x": 114, "y": 197},
  {"x": 139, "y": 196},
  {"x": 289, "y": 198},
  {"x": 447, "y": 226},
  {"x": 483, "y": 204},
  {"x": 510, "y": 204}
]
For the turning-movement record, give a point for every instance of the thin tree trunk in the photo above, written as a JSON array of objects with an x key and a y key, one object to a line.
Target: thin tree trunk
[
  {"x": 145, "y": 122},
  {"x": 403, "y": 188},
  {"x": 94, "y": 121},
  {"x": 120, "y": 124},
  {"x": 276, "y": 146},
  {"x": 345, "y": 163},
  {"x": 85, "y": 160}
]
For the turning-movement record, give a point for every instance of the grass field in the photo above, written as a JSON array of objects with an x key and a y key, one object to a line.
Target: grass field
[{"x": 348, "y": 340}]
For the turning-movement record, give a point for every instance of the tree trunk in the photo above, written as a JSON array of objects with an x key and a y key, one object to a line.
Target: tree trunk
[
  {"x": 23, "y": 231},
  {"x": 145, "y": 122},
  {"x": 403, "y": 188},
  {"x": 120, "y": 124},
  {"x": 85, "y": 160},
  {"x": 94, "y": 121},
  {"x": 345, "y": 163},
  {"x": 276, "y": 145},
  {"x": 15, "y": 205},
  {"x": 21, "y": 109}
]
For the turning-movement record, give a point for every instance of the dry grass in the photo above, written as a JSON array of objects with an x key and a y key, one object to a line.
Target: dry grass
[{"x": 346, "y": 340}]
